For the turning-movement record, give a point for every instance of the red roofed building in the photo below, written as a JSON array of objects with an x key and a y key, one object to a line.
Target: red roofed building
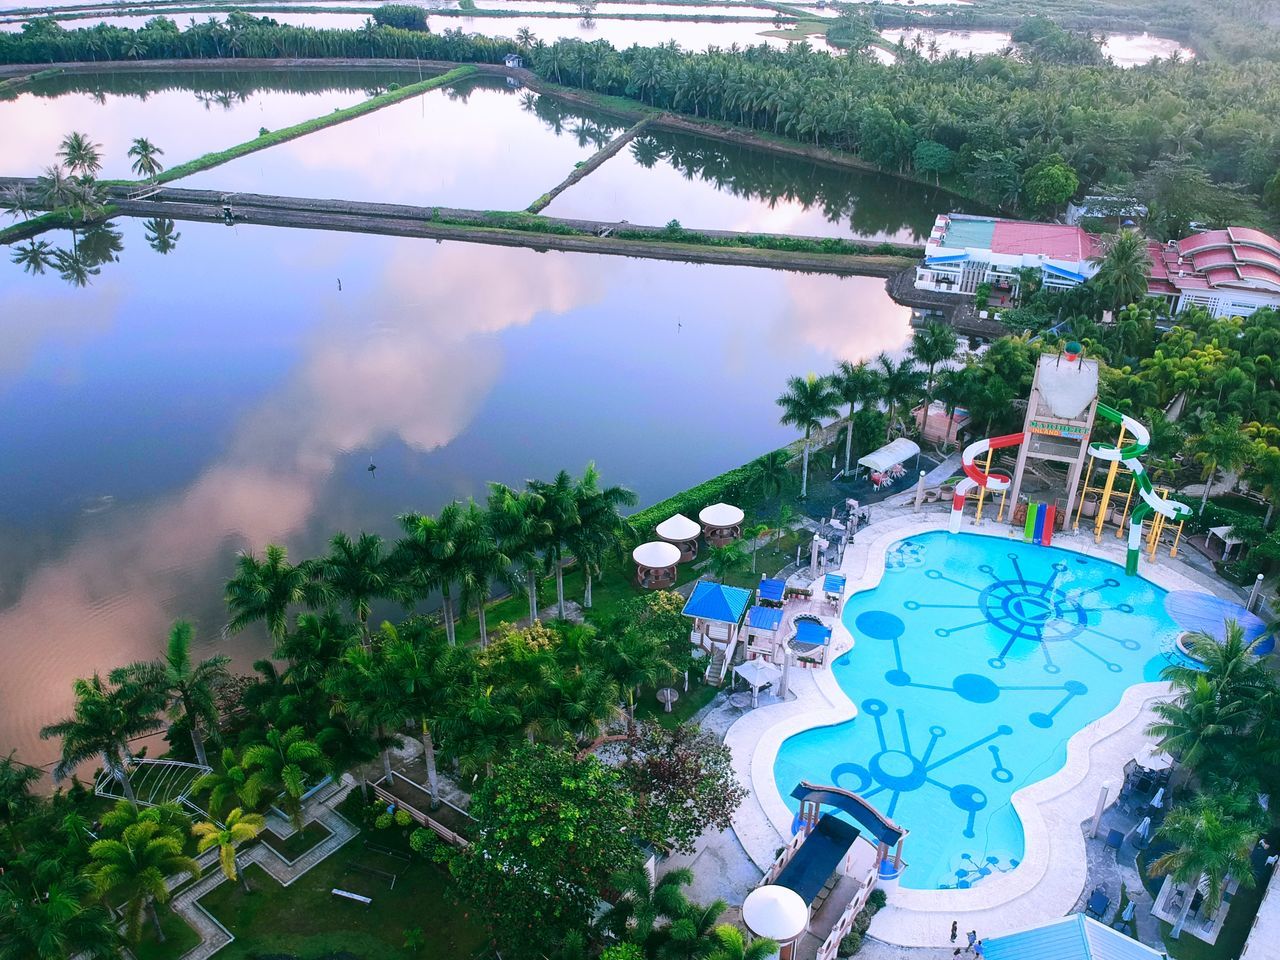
[{"x": 1230, "y": 272}]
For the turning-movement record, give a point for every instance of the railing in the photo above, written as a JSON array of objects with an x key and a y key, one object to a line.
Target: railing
[
  {"x": 831, "y": 946},
  {"x": 783, "y": 858},
  {"x": 420, "y": 816},
  {"x": 718, "y": 669}
]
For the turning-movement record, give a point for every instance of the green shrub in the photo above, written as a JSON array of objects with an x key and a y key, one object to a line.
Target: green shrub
[
  {"x": 877, "y": 900},
  {"x": 729, "y": 486},
  {"x": 622, "y": 951},
  {"x": 850, "y": 945},
  {"x": 384, "y": 821},
  {"x": 405, "y": 16},
  {"x": 263, "y": 131},
  {"x": 403, "y": 818}
]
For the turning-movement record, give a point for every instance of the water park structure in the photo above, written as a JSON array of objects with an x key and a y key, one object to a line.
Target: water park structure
[{"x": 1054, "y": 444}]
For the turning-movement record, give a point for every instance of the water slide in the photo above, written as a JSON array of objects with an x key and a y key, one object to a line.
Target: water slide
[
  {"x": 1151, "y": 501},
  {"x": 974, "y": 475}
]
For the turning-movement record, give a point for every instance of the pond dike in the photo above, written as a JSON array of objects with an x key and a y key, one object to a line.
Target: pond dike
[{"x": 476, "y": 226}]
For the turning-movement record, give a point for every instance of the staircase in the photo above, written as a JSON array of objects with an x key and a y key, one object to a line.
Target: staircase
[{"x": 719, "y": 665}]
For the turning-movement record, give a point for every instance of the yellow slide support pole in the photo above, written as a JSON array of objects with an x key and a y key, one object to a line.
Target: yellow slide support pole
[
  {"x": 1124, "y": 514},
  {"x": 982, "y": 488},
  {"x": 1000, "y": 513},
  {"x": 1173, "y": 550},
  {"x": 1153, "y": 539},
  {"x": 1106, "y": 490},
  {"x": 1088, "y": 477}
]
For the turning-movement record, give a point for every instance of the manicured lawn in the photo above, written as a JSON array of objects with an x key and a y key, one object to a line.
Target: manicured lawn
[
  {"x": 699, "y": 695},
  {"x": 291, "y": 848},
  {"x": 306, "y": 920},
  {"x": 179, "y": 938},
  {"x": 1244, "y": 907}
]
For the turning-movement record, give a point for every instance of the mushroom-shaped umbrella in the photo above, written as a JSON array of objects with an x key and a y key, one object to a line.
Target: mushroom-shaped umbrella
[
  {"x": 683, "y": 532},
  {"x": 656, "y": 563},
  {"x": 778, "y": 913},
  {"x": 721, "y": 522}
]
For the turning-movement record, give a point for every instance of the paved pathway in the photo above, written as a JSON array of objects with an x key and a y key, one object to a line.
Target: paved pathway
[{"x": 213, "y": 935}]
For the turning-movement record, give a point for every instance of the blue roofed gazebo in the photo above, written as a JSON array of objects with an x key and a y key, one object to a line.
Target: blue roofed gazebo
[{"x": 717, "y": 611}]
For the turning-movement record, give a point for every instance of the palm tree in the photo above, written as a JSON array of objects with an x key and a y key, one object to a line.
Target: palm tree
[
  {"x": 54, "y": 188},
  {"x": 690, "y": 935},
  {"x": 357, "y": 572},
  {"x": 483, "y": 563},
  {"x": 279, "y": 770},
  {"x": 734, "y": 946},
  {"x": 1222, "y": 447},
  {"x": 1198, "y": 725},
  {"x": 428, "y": 559},
  {"x": 18, "y": 202},
  {"x": 134, "y": 868},
  {"x": 932, "y": 344},
  {"x": 635, "y": 659},
  {"x": 722, "y": 561},
  {"x": 768, "y": 474},
  {"x": 901, "y": 383},
  {"x": 34, "y": 257},
  {"x": 642, "y": 903},
  {"x": 1210, "y": 845},
  {"x": 560, "y": 511},
  {"x": 162, "y": 234},
  {"x": 754, "y": 533},
  {"x": 858, "y": 385},
  {"x": 240, "y": 827},
  {"x": 103, "y": 722},
  {"x": 266, "y": 589},
  {"x": 225, "y": 783},
  {"x": 423, "y": 672},
  {"x": 601, "y": 529},
  {"x": 186, "y": 691},
  {"x": 1264, "y": 476},
  {"x": 80, "y": 154},
  {"x": 524, "y": 38},
  {"x": 1230, "y": 666},
  {"x": 144, "y": 154},
  {"x": 44, "y": 914},
  {"x": 807, "y": 402},
  {"x": 16, "y": 801},
  {"x": 1124, "y": 266},
  {"x": 522, "y": 534},
  {"x": 365, "y": 687}
]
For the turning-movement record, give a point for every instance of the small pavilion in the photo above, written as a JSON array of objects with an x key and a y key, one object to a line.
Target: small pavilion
[
  {"x": 717, "y": 612},
  {"x": 721, "y": 523},
  {"x": 656, "y": 564},
  {"x": 763, "y": 626},
  {"x": 682, "y": 532}
]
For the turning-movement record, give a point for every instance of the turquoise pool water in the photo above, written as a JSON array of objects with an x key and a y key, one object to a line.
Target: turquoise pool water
[{"x": 974, "y": 662}]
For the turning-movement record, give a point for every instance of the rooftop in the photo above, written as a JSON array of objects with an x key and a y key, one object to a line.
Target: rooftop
[
  {"x": 716, "y": 602},
  {"x": 1075, "y": 937},
  {"x": 1237, "y": 257},
  {"x": 1058, "y": 241}
]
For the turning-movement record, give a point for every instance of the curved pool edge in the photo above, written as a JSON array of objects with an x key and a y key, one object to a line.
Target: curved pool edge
[{"x": 1052, "y": 874}]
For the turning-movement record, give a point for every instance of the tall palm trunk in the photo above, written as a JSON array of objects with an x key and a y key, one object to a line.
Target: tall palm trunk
[
  {"x": 386, "y": 764},
  {"x": 197, "y": 741},
  {"x": 1208, "y": 484},
  {"x": 484, "y": 624},
  {"x": 532, "y": 588},
  {"x": 559, "y": 583},
  {"x": 848, "y": 441},
  {"x": 125, "y": 785},
  {"x": 1182, "y": 915},
  {"x": 804, "y": 469},
  {"x": 155, "y": 920},
  {"x": 586, "y": 596},
  {"x": 429, "y": 758},
  {"x": 449, "y": 629},
  {"x": 244, "y": 881}
]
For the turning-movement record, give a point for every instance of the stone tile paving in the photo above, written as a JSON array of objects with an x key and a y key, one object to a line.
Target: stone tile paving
[{"x": 213, "y": 935}]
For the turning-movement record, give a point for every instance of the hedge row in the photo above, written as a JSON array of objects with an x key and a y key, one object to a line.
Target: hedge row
[{"x": 730, "y": 486}]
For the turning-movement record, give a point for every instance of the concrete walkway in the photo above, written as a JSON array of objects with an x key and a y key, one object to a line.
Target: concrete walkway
[{"x": 213, "y": 935}]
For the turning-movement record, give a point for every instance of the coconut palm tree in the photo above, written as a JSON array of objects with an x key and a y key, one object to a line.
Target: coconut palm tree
[
  {"x": 54, "y": 188},
  {"x": 16, "y": 800},
  {"x": 1210, "y": 845},
  {"x": 1198, "y": 725},
  {"x": 80, "y": 155},
  {"x": 428, "y": 559},
  {"x": 186, "y": 690},
  {"x": 858, "y": 385},
  {"x": 133, "y": 869},
  {"x": 18, "y": 202},
  {"x": 240, "y": 827},
  {"x": 932, "y": 344},
  {"x": 734, "y": 946},
  {"x": 278, "y": 770},
  {"x": 266, "y": 590},
  {"x": 483, "y": 563},
  {"x": 162, "y": 234},
  {"x": 102, "y": 723},
  {"x": 807, "y": 402},
  {"x": 560, "y": 511},
  {"x": 145, "y": 153},
  {"x": 365, "y": 687},
  {"x": 1223, "y": 446},
  {"x": 424, "y": 671},
  {"x": 34, "y": 257},
  {"x": 901, "y": 384},
  {"x": 722, "y": 561},
  {"x": 634, "y": 659},
  {"x": 517, "y": 523},
  {"x": 357, "y": 572},
  {"x": 768, "y": 474},
  {"x": 1230, "y": 665},
  {"x": 690, "y": 934},
  {"x": 601, "y": 530},
  {"x": 45, "y": 914},
  {"x": 1124, "y": 265},
  {"x": 642, "y": 903}
]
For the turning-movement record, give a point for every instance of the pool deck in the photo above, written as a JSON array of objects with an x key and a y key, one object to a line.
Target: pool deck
[{"x": 1052, "y": 875}]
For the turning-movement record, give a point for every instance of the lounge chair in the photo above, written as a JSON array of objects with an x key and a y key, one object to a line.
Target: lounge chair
[{"x": 1115, "y": 839}]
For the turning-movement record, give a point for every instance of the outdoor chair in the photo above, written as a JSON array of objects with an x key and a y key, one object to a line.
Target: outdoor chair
[
  {"x": 1098, "y": 903},
  {"x": 1115, "y": 839}
]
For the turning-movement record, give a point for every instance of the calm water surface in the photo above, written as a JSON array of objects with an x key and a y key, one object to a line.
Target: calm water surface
[
  {"x": 1127, "y": 50},
  {"x": 227, "y": 394},
  {"x": 185, "y": 114}
]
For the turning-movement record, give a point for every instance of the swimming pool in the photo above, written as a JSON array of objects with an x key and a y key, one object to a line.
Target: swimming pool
[{"x": 975, "y": 660}]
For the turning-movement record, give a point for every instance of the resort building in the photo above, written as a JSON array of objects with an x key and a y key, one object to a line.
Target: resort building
[{"x": 1230, "y": 272}]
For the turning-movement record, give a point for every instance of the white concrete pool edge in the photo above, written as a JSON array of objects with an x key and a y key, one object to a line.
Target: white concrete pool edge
[{"x": 1052, "y": 874}]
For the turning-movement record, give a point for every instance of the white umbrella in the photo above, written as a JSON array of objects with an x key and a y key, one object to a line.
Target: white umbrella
[
  {"x": 1158, "y": 800},
  {"x": 1144, "y": 828},
  {"x": 757, "y": 673},
  {"x": 1127, "y": 916},
  {"x": 775, "y": 912}
]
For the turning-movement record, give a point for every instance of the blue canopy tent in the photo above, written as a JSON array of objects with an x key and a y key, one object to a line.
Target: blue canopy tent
[{"x": 771, "y": 591}]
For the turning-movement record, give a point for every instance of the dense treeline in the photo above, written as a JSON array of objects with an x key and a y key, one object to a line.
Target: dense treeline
[{"x": 979, "y": 124}]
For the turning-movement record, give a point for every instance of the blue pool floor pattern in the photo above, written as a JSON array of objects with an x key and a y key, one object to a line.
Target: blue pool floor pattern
[{"x": 975, "y": 661}]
